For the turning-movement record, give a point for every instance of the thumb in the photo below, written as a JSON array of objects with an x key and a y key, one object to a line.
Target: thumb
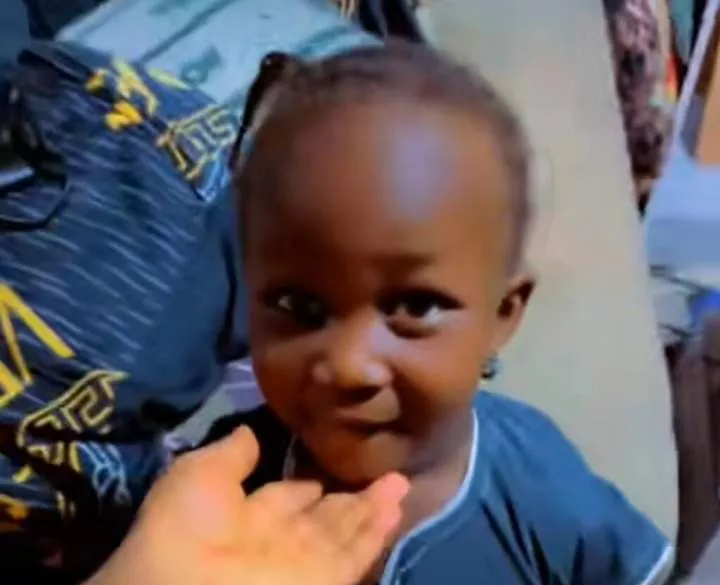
[{"x": 235, "y": 455}]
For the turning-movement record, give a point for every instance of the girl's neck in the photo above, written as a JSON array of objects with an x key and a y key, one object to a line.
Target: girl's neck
[{"x": 432, "y": 485}]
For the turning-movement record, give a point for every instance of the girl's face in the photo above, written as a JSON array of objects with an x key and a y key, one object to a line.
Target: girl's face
[{"x": 378, "y": 271}]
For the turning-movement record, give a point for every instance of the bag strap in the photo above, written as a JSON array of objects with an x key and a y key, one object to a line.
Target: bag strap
[{"x": 15, "y": 171}]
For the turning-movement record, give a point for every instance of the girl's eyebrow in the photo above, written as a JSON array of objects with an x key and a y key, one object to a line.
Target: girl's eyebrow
[{"x": 403, "y": 260}]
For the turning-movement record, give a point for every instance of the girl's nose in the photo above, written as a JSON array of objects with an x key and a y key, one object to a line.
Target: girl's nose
[{"x": 354, "y": 358}]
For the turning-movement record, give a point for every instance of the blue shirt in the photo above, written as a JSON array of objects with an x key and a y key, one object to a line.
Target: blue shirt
[
  {"x": 119, "y": 294},
  {"x": 529, "y": 511}
]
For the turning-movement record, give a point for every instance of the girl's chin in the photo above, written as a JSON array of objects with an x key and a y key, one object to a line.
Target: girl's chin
[{"x": 358, "y": 459}]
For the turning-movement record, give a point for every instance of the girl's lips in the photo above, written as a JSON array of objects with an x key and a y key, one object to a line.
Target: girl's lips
[{"x": 364, "y": 421}]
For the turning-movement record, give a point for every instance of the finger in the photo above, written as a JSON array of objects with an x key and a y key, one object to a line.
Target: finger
[
  {"x": 356, "y": 558},
  {"x": 284, "y": 500},
  {"x": 236, "y": 455},
  {"x": 387, "y": 492},
  {"x": 383, "y": 498},
  {"x": 341, "y": 516}
]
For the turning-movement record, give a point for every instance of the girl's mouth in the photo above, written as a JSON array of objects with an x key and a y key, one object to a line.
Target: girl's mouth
[{"x": 367, "y": 422}]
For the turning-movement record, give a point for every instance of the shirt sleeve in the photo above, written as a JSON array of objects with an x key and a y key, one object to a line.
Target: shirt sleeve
[
  {"x": 616, "y": 544},
  {"x": 579, "y": 528}
]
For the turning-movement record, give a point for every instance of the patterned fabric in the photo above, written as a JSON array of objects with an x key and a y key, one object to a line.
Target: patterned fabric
[
  {"x": 13, "y": 31},
  {"x": 640, "y": 77},
  {"x": 118, "y": 292},
  {"x": 348, "y": 8},
  {"x": 683, "y": 14},
  {"x": 384, "y": 18},
  {"x": 47, "y": 17},
  {"x": 215, "y": 45}
]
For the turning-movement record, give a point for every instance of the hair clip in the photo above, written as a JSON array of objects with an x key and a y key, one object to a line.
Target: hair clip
[{"x": 273, "y": 67}]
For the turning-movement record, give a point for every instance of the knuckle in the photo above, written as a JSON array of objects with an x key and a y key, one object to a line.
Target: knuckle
[
  {"x": 272, "y": 492},
  {"x": 186, "y": 463},
  {"x": 343, "y": 502},
  {"x": 308, "y": 534},
  {"x": 355, "y": 506}
]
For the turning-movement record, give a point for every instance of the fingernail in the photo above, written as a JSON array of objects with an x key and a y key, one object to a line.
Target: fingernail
[
  {"x": 389, "y": 520},
  {"x": 391, "y": 487},
  {"x": 400, "y": 485},
  {"x": 241, "y": 430}
]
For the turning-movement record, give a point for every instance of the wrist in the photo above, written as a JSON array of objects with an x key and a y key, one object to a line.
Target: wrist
[
  {"x": 102, "y": 577},
  {"x": 110, "y": 573}
]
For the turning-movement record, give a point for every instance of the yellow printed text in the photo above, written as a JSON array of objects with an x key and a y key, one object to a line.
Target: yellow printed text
[
  {"x": 198, "y": 140},
  {"x": 86, "y": 407},
  {"x": 128, "y": 84},
  {"x": 16, "y": 376}
]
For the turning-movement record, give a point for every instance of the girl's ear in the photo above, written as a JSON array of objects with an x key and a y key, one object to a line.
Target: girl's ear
[
  {"x": 273, "y": 68},
  {"x": 512, "y": 308}
]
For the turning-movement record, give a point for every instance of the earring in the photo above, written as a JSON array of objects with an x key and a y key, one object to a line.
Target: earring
[{"x": 491, "y": 368}]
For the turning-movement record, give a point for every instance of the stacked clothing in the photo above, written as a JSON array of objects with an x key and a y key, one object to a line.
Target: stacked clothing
[
  {"x": 47, "y": 17},
  {"x": 120, "y": 302},
  {"x": 640, "y": 59},
  {"x": 385, "y": 18}
]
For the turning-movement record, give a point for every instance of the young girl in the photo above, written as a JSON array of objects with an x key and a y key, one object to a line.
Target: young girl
[{"x": 384, "y": 210}]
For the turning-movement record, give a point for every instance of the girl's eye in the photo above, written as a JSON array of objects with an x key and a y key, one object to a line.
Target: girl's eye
[
  {"x": 305, "y": 308},
  {"x": 418, "y": 312}
]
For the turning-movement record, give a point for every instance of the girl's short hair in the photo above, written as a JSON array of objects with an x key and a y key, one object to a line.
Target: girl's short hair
[{"x": 397, "y": 69}]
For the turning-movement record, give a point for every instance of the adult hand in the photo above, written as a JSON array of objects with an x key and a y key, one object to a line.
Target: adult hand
[{"x": 198, "y": 527}]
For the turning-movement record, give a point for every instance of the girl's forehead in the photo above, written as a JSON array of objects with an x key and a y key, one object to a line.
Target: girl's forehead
[
  {"x": 416, "y": 148},
  {"x": 382, "y": 180},
  {"x": 388, "y": 165}
]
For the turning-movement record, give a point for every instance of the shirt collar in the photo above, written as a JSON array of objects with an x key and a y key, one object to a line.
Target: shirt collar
[{"x": 396, "y": 562}]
